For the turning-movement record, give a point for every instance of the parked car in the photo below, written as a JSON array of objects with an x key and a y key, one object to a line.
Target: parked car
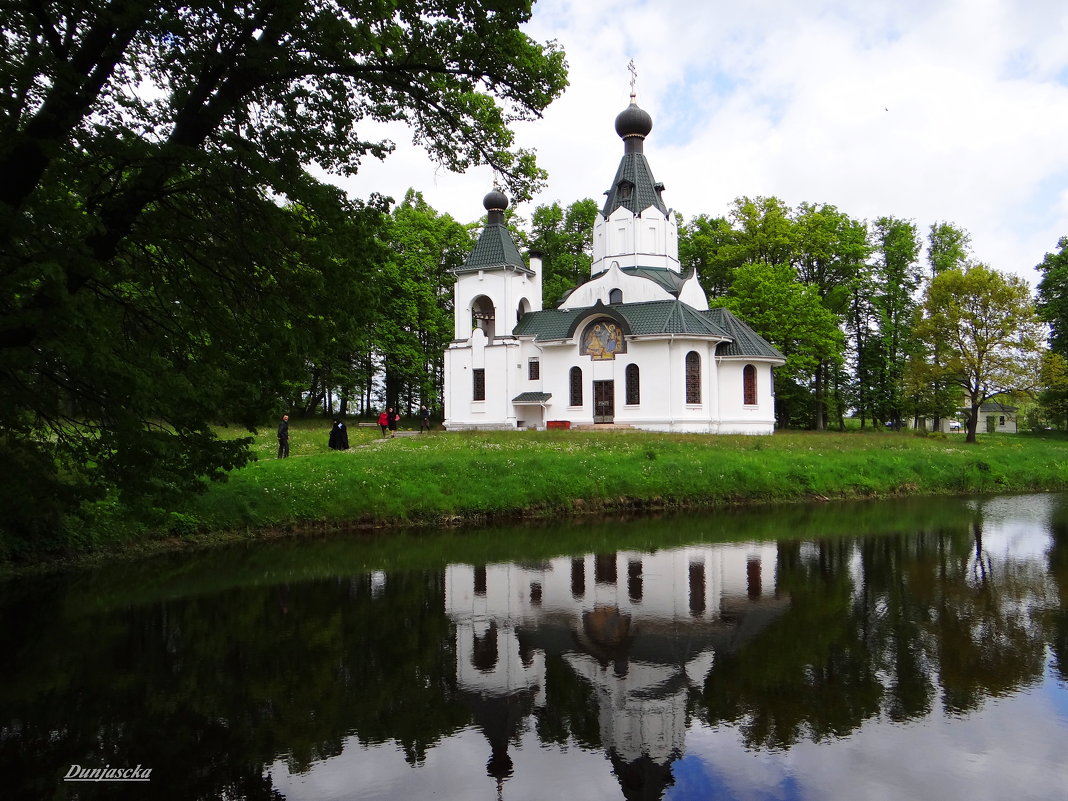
[{"x": 954, "y": 425}]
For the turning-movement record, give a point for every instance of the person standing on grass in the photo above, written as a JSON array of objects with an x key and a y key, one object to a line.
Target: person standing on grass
[
  {"x": 394, "y": 418},
  {"x": 339, "y": 436},
  {"x": 383, "y": 421},
  {"x": 424, "y": 419},
  {"x": 283, "y": 437}
]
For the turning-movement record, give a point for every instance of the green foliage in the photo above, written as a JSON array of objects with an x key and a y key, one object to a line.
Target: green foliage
[
  {"x": 788, "y": 314},
  {"x": 1053, "y": 398},
  {"x": 947, "y": 247},
  {"x": 831, "y": 247},
  {"x": 166, "y": 262},
  {"x": 564, "y": 237},
  {"x": 825, "y": 251},
  {"x": 883, "y": 313},
  {"x": 1053, "y": 296},
  {"x": 986, "y": 331},
  {"x": 792, "y": 317},
  {"x": 765, "y": 232},
  {"x": 413, "y": 321},
  {"x": 710, "y": 246}
]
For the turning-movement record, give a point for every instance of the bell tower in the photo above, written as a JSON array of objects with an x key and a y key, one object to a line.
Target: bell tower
[{"x": 494, "y": 287}]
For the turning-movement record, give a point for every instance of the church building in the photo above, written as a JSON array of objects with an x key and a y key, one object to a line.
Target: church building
[{"x": 634, "y": 345}]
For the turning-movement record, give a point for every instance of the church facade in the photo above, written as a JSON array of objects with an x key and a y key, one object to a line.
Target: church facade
[{"x": 635, "y": 345}]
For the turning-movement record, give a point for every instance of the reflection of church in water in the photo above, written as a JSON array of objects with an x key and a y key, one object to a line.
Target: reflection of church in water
[{"x": 641, "y": 630}]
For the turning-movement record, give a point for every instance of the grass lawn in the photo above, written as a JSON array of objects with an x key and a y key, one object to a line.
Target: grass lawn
[{"x": 443, "y": 477}]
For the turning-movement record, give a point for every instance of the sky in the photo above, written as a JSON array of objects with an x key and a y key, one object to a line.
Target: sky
[{"x": 925, "y": 110}]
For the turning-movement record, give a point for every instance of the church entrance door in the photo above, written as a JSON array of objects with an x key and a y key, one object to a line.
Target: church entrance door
[{"x": 604, "y": 401}]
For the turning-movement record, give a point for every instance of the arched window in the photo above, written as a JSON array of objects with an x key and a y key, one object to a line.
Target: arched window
[
  {"x": 749, "y": 387},
  {"x": 484, "y": 652},
  {"x": 633, "y": 385},
  {"x": 483, "y": 315},
  {"x": 693, "y": 377},
  {"x": 615, "y": 296},
  {"x": 523, "y": 308},
  {"x": 576, "y": 386}
]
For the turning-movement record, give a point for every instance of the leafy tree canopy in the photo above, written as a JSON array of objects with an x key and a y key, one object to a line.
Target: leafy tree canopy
[
  {"x": 710, "y": 245},
  {"x": 166, "y": 261},
  {"x": 990, "y": 332},
  {"x": 1053, "y": 296},
  {"x": 564, "y": 237},
  {"x": 947, "y": 247},
  {"x": 788, "y": 314}
]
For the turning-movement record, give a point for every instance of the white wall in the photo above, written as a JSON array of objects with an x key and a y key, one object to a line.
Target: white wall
[
  {"x": 635, "y": 289},
  {"x": 650, "y": 239},
  {"x": 662, "y": 365},
  {"x": 506, "y": 288},
  {"x": 736, "y": 416}
]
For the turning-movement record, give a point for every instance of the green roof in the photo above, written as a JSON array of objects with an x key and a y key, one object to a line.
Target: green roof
[
  {"x": 668, "y": 317},
  {"x": 643, "y": 319},
  {"x": 532, "y": 397},
  {"x": 642, "y": 189},
  {"x": 746, "y": 341},
  {"x": 547, "y": 324},
  {"x": 652, "y": 318},
  {"x": 494, "y": 250},
  {"x": 668, "y": 279}
]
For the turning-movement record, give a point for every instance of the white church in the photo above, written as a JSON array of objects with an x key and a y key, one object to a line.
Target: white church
[{"x": 635, "y": 345}]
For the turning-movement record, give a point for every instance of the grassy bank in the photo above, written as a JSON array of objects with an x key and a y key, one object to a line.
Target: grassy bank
[
  {"x": 443, "y": 478},
  {"x": 438, "y": 477}
]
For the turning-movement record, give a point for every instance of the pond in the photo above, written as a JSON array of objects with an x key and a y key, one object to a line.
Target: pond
[{"x": 911, "y": 649}]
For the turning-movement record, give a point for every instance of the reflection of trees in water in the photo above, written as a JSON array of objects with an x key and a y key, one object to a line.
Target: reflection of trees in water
[
  {"x": 810, "y": 673},
  {"x": 987, "y": 643},
  {"x": 210, "y": 689},
  {"x": 1056, "y": 617},
  {"x": 919, "y": 616},
  {"x": 571, "y": 713}
]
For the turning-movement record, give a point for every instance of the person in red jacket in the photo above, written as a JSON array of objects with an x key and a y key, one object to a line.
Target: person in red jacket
[{"x": 383, "y": 422}]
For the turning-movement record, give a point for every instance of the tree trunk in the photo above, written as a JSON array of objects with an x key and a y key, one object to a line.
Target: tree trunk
[
  {"x": 818, "y": 422},
  {"x": 973, "y": 422}
]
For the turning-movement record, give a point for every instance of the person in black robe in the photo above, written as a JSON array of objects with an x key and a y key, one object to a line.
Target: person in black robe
[
  {"x": 339, "y": 436},
  {"x": 283, "y": 437}
]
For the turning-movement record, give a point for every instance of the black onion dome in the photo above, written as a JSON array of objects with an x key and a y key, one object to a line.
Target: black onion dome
[
  {"x": 633, "y": 121},
  {"x": 495, "y": 248},
  {"x": 495, "y": 201}
]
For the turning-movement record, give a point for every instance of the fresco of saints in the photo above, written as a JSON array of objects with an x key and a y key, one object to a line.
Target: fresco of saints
[{"x": 603, "y": 341}]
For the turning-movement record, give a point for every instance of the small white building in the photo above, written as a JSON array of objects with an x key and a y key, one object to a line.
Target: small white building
[{"x": 636, "y": 344}]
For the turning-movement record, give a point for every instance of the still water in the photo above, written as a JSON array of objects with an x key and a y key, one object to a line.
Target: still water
[{"x": 905, "y": 650}]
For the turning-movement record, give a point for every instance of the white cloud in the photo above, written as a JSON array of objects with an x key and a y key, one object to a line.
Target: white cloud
[{"x": 950, "y": 110}]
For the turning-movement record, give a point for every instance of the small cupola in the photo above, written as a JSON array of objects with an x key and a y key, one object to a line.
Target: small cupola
[
  {"x": 634, "y": 187},
  {"x": 495, "y": 203},
  {"x": 633, "y": 124}
]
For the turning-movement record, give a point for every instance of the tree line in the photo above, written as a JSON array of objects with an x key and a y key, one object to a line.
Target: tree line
[
  {"x": 168, "y": 259},
  {"x": 877, "y": 320}
]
